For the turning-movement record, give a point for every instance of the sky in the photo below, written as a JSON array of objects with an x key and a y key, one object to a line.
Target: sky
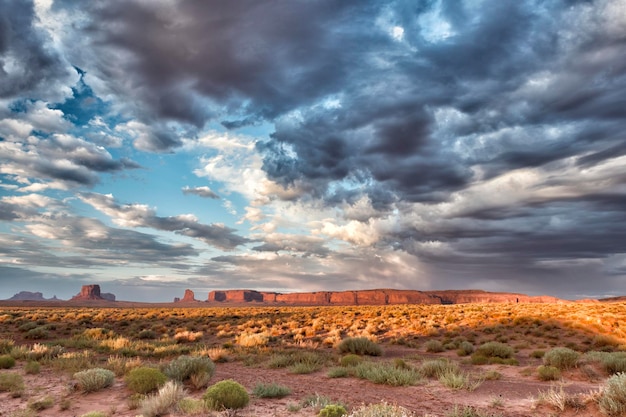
[{"x": 153, "y": 146}]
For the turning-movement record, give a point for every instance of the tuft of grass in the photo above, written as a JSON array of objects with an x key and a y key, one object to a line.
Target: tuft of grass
[
  {"x": 271, "y": 390},
  {"x": 32, "y": 368},
  {"x": 458, "y": 380},
  {"x": 12, "y": 383},
  {"x": 191, "y": 406},
  {"x": 315, "y": 401},
  {"x": 6, "y": 362},
  {"x": 95, "y": 414},
  {"x": 94, "y": 379},
  {"x": 338, "y": 372},
  {"x": 196, "y": 369},
  {"x": 469, "y": 411},
  {"x": 561, "y": 358},
  {"x": 434, "y": 346},
  {"x": 613, "y": 396},
  {"x": 351, "y": 359},
  {"x": 465, "y": 348},
  {"x": 548, "y": 373},
  {"x": 495, "y": 350},
  {"x": 144, "y": 380},
  {"x": 359, "y": 346},
  {"x": 537, "y": 354},
  {"x": 40, "y": 404},
  {"x": 226, "y": 395},
  {"x": 387, "y": 374},
  {"x": 163, "y": 401},
  {"x": 382, "y": 409},
  {"x": 436, "y": 367},
  {"x": 6, "y": 345}
]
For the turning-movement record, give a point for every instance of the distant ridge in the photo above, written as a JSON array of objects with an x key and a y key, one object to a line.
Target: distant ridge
[
  {"x": 375, "y": 297},
  {"x": 31, "y": 296}
]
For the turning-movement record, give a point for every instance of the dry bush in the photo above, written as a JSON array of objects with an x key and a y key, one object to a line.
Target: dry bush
[
  {"x": 94, "y": 379},
  {"x": 561, "y": 358},
  {"x": 612, "y": 399},
  {"x": 163, "y": 401},
  {"x": 359, "y": 346}
]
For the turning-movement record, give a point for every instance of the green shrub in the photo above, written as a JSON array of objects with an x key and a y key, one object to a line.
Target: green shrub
[
  {"x": 613, "y": 397},
  {"x": 548, "y": 373},
  {"x": 478, "y": 359},
  {"x": 360, "y": 346},
  {"x": 495, "y": 350},
  {"x": 6, "y": 362},
  {"x": 465, "y": 348},
  {"x": 350, "y": 359},
  {"x": 163, "y": 401},
  {"x": 272, "y": 390},
  {"x": 37, "y": 333},
  {"x": 40, "y": 404},
  {"x": 94, "y": 379},
  {"x": 147, "y": 334},
  {"x": 387, "y": 374},
  {"x": 12, "y": 383},
  {"x": 196, "y": 369},
  {"x": 436, "y": 367},
  {"x": 338, "y": 372},
  {"x": 537, "y": 354},
  {"x": 458, "y": 380},
  {"x": 333, "y": 410},
  {"x": 6, "y": 345},
  {"x": 381, "y": 410},
  {"x": 27, "y": 326},
  {"x": 227, "y": 394},
  {"x": 143, "y": 380},
  {"x": 32, "y": 367},
  {"x": 561, "y": 358},
  {"x": 191, "y": 406},
  {"x": 434, "y": 346}
]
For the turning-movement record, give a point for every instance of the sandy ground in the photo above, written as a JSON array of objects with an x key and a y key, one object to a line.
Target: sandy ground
[{"x": 511, "y": 396}]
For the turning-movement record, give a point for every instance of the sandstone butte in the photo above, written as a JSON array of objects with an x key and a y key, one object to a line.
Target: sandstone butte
[
  {"x": 375, "y": 297},
  {"x": 92, "y": 292}
]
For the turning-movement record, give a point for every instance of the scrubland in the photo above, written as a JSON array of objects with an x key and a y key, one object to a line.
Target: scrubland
[{"x": 466, "y": 360}]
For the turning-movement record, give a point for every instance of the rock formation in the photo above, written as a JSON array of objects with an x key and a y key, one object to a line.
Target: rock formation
[
  {"x": 92, "y": 292},
  {"x": 188, "y": 297},
  {"x": 28, "y": 296},
  {"x": 375, "y": 297}
]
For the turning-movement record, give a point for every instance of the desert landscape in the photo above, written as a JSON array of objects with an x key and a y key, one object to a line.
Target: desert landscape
[{"x": 465, "y": 354}]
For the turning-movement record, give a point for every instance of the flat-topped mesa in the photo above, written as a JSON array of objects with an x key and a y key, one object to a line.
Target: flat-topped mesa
[{"x": 375, "y": 297}]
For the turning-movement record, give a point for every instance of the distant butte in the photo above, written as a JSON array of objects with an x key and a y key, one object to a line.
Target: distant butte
[
  {"x": 92, "y": 293},
  {"x": 187, "y": 298}
]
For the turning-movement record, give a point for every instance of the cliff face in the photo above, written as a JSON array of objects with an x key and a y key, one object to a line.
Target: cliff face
[
  {"x": 376, "y": 297},
  {"x": 92, "y": 292},
  {"x": 188, "y": 297}
]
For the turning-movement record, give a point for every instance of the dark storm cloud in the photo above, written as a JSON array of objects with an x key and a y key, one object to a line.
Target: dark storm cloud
[
  {"x": 28, "y": 66},
  {"x": 217, "y": 235}
]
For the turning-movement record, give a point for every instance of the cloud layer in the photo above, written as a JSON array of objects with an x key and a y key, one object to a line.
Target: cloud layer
[{"x": 350, "y": 144}]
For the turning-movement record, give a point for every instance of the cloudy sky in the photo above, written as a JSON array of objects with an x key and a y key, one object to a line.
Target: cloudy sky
[{"x": 153, "y": 146}]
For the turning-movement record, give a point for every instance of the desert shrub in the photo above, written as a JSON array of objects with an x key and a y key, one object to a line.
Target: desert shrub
[
  {"x": 548, "y": 373},
  {"x": 604, "y": 342},
  {"x": 561, "y": 358},
  {"x": 12, "y": 383},
  {"x": 37, "y": 333},
  {"x": 333, "y": 410},
  {"x": 350, "y": 359},
  {"x": 298, "y": 362},
  {"x": 611, "y": 362},
  {"x": 120, "y": 365},
  {"x": 6, "y": 345},
  {"x": 458, "y": 380},
  {"x": 387, "y": 374},
  {"x": 537, "y": 354},
  {"x": 381, "y": 410},
  {"x": 315, "y": 401},
  {"x": 39, "y": 404},
  {"x": 359, "y": 346},
  {"x": 338, "y": 372},
  {"x": 32, "y": 367},
  {"x": 95, "y": 414},
  {"x": 613, "y": 397},
  {"x": 191, "y": 406},
  {"x": 162, "y": 401},
  {"x": 434, "y": 346},
  {"x": 196, "y": 369},
  {"x": 272, "y": 390},
  {"x": 479, "y": 359},
  {"x": 495, "y": 350},
  {"x": 94, "y": 379},
  {"x": 143, "y": 380},
  {"x": 465, "y": 348},
  {"x": 492, "y": 375},
  {"x": 468, "y": 411},
  {"x": 147, "y": 334},
  {"x": 30, "y": 325},
  {"x": 6, "y": 362},
  {"x": 226, "y": 394},
  {"x": 247, "y": 339},
  {"x": 436, "y": 367}
]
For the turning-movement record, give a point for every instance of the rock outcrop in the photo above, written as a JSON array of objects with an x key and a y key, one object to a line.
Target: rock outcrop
[
  {"x": 29, "y": 296},
  {"x": 375, "y": 297},
  {"x": 92, "y": 292},
  {"x": 188, "y": 297}
]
